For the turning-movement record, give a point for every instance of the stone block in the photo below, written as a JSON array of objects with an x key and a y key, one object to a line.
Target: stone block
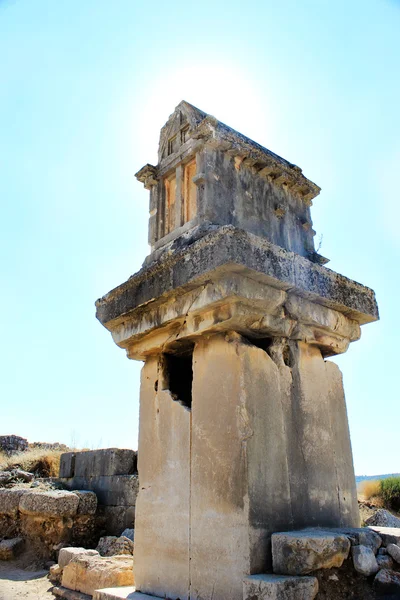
[
  {"x": 9, "y": 501},
  {"x": 55, "y": 503},
  {"x": 364, "y": 560},
  {"x": 389, "y": 535},
  {"x": 394, "y": 551},
  {"x": 89, "y": 573},
  {"x": 387, "y": 582},
  {"x": 67, "y": 464},
  {"x": 62, "y": 592},
  {"x": 9, "y": 549},
  {"x": 87, "y": 502},
  {"x": 112, "y": 545},
  {"x": 117, "y": 518},
  {"x": 106, "y": 462},
  {"x": 67, "y": 554},
  {"x": 301, "y": 552},
  {"x": 123, "y": 593},
  {"x": 279, "y": 587},
  {"x": 116, "y": 490}
]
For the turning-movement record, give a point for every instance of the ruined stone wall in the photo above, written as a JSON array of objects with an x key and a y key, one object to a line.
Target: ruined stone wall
[
  {"x": 48, "y": 520},
  {"x": 11, "y": 444},
  {"x": 112, "y": 475}
]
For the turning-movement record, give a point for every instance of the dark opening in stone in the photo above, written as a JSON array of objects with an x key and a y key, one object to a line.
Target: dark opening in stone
[{"x": 178, "y": 375}]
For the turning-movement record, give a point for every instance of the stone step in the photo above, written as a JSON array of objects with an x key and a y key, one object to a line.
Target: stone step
[
  {"x": 122, "y": 593},
  {"x": 279, "y": 587},
  {"x": 301, "y": 552}
]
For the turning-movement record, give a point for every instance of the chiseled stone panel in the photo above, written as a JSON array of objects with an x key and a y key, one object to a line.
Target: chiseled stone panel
[
  {"x": 162, "y": 507},
  {"x": 239, "y": 480},
  {"x": 320, "y": 461}
]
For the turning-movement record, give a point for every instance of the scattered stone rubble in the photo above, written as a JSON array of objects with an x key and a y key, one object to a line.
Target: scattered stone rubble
[
  {"x": 80, "y": 572},
  {"x": 383, "y": 518},
  {"x": 300, "y": 556},
  {"x": 11, "y": 444}
]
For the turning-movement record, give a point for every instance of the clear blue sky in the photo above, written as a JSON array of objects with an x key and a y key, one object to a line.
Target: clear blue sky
[{"x": 85, "y": 88}]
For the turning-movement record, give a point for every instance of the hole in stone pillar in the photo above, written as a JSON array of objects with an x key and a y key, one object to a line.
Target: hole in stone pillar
[
  {"x": 156, "y": 386},
  {"x": 178, "y": 376},
  {"x": 287, "y": 356},
  {"x": 263, "y": 343}
]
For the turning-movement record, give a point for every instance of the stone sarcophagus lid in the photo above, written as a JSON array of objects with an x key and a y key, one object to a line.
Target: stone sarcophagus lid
[{"x": 243, "y": 428}]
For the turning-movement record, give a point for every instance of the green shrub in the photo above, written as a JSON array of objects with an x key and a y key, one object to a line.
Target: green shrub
[{"x": 390, "y": 492}]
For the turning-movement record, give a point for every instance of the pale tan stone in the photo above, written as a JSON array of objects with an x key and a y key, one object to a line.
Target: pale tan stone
[
  {"x": 162, "y": 507},
  {"x": 67, "y": 554},
  {"x": 87, "y": 574}
]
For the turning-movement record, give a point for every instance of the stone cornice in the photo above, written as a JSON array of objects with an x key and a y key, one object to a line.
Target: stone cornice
[{"x": 187, "y": 267}]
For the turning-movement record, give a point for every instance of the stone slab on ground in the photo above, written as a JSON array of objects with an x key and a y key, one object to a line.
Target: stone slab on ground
[
  {"x": 279, "y": 587},
  {"x": 389, "y": 535},
  {"x": 9, "y": 549},
  {"x": 62, "y": 592},
  {"x": 301, "y": 552},
  {"x": 122, "y": 593},
  {"x": 89, "y": 573},
  {"x": 67, "y": 554}
]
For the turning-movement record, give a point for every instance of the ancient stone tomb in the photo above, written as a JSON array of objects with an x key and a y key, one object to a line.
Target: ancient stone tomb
[{"x": 243, "y": 425}]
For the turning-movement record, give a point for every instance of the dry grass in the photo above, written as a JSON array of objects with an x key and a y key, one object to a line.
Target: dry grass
[
  {"x": 370, "y": 488},
  {"x": 41, "y": 462}
]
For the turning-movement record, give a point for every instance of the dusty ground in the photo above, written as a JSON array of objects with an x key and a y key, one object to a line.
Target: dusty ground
[{"x": 18, "y": 584}]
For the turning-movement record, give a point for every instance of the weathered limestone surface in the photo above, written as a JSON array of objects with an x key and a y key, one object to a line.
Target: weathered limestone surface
[
  {"x": 111, "y": 545},
  {"x": 111, "y": 474},
  {"x": 9, "y": 501},
  {"x": 162, "y": 527},
  {"x": 67, "y": 554},
  {"x": 219, "y": 255},
  {"x": 61, "y": 592},
  {"x": 279, "y": 587},
  {"x": 58, "y": 503},
  {"x": 88, "y": 573},
  {"x": 302, "y": 552},
  {"x": 122, "y": 593}
]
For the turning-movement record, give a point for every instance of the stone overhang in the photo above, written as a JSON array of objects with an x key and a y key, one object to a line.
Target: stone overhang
[{"x": 231, "y": 280}]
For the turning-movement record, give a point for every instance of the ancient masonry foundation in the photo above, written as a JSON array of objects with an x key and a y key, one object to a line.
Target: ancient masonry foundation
[{"x": 243, "y": 424}]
